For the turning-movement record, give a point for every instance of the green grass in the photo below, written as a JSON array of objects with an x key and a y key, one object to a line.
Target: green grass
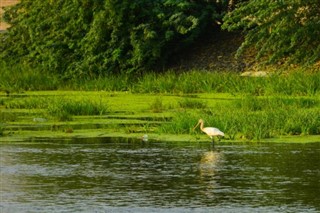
[
  {"x": 60, "y": 107},
  {"x": 1, "y": 131},
  {"x": 65, "y": 108},
  {"x": 283, "y": 104},
  {"x": 240, "y": 117},
  {"x": 33, "y": 102},
  {"x": 7, "y": 117},
  {"x": 157, "y": 105},
  {"x": 24, "y": 78},
  {"x": 300, "y": 82},
  {"x": 189, "y": 103},
  {"x": 254, "y": 118}
]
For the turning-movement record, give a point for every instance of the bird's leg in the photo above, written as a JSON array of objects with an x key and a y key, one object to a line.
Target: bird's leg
[
  {"x": 212, "y": 141},
  {"x": 212, "y": 145}
]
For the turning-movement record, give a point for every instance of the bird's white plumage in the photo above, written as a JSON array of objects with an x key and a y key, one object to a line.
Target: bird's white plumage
[{"x": 210, "y": 131}]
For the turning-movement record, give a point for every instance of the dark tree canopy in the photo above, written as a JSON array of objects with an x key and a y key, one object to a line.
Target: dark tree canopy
[
  {"x": 85, "y": 37},
  {"x": 78, "y": 37},
  {"x": 286, "y": 31}
]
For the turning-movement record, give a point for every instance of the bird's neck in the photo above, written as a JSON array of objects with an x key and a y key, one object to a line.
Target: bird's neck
[{"x": 201, "y": 125}]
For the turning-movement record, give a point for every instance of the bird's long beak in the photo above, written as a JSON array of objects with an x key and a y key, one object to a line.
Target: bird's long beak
[{"x": 196, "y": 126}]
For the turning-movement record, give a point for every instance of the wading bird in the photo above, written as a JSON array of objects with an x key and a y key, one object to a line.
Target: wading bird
[{"x": 210, "y": 131}]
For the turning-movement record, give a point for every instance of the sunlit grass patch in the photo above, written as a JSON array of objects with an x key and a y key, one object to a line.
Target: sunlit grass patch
[
  {"x": 157, "y": 105},
  {"x": 61, "y": 106},
  {"x": 240, "y": 116},
  {"x": 7, "y": 117},
  {"x": 101, "y": 83},
  {"x": 64, "y": 108},
  {"x": 253, "y": 103},
  {"x": 254, "y": 118},
  {"x": 181, "y": 123},
  {"x": 192, "y": 103},
  {"x": 34, "y": 102}
]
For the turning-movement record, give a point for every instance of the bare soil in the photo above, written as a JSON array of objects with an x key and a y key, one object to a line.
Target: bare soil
[{"x": 214, "y": 51}]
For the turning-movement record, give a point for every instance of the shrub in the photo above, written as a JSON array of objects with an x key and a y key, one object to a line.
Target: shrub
[{"x": 79, "y": 38}]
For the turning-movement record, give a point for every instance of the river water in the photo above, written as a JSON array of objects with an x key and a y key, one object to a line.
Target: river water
[{"x": 134, "y": 176}]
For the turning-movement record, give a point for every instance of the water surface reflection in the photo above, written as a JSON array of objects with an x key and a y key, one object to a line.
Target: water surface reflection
[{"x": 154, "y": 176}]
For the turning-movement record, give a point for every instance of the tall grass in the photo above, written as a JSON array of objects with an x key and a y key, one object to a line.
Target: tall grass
[
  {"x": 62, "y": 108},
  {"x": 1, "y": 130},
  {"x": 6, "y": 117},
  {"x": 189, "y": 103},
  {"x": 34, "y": 102},
  {"x": 253, "y": 103},
  {"x": 294, "y": 82},
  {"x": 157, "y": 105},
  {"x": 23, "y": 78},
  {"x": 254, "y": 118},
  {"x": 299, "y": 82},
  {"x": 265, "y": 107},
  {"x": 101, "y": 83}
]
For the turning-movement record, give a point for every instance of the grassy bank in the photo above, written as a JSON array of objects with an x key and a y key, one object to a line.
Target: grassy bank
[
  {"x": 245, "y": 108},
  {"x": 97, "y": 114},
  {"x": 296, "y": 82},
  {"x": 255, "y": 118}
]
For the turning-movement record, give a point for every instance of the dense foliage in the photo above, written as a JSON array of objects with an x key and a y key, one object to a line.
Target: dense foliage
[
  {"x": 88, "y": 37},
  {"x": 282, "y": 31},
  {"x": 82, "y": 37}
]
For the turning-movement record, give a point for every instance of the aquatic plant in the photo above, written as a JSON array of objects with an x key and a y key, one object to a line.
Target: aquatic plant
[
  {"x": 157, "y": 105},
  {"x": 254, "y": 118},
  {"x": 64, "y": 108},
  {"x": 192, "y": 104},
  {"x": 1, "y": 131},
  {"x": 181, "y": 123},
  {"x": 7, "y": 116},
  {"x": 34, "y": 102},
  {"x": 2, "y": 101},
  {"x": 252, "y": 103},
  {"x": 116, "y": 82}
]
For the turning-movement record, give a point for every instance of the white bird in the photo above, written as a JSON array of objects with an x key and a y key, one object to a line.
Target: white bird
[{"x": 210, "y": 131}]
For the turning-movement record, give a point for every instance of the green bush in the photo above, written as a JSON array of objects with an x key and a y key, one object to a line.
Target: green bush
[
  {"x": 280, "y": 31},
  {"x": 83, "y": 37}
]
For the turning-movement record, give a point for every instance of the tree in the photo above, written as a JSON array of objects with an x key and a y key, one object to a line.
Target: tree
[
  {"x": 46, "y": 34},
  {"x": 83, "y": 37},
  {"x": 285, "y": 31}
]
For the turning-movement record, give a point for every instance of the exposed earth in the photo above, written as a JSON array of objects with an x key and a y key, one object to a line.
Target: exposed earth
[{"x": 214, "y": 51}]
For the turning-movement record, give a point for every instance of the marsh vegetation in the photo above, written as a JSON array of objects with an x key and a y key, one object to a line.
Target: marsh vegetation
[
  {"x": 103, "y": 69},
  {"x": 245, "y": 108}
]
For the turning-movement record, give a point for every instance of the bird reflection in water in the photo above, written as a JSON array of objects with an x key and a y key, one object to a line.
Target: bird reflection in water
[
  {"x": 209, "y": 165},
  {"x": 210, "y": 162}
]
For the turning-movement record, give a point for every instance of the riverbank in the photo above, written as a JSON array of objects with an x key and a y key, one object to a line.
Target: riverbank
[{"x": 69, "y": 115}]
